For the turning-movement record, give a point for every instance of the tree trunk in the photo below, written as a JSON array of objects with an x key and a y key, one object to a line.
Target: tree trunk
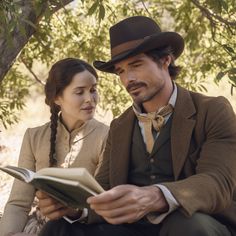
[{"x": 9, "y": 49}]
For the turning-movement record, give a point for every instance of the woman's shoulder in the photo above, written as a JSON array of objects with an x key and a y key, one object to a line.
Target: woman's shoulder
[
  {"x": 98, "y": 125},
  {"x": 97, "y": 128},
  {"x": 39, "y": 130}
]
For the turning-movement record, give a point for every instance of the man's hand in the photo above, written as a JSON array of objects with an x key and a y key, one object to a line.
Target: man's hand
[
  {"x": 128, "y": 203},
  {"x": 53, "y": 209}
]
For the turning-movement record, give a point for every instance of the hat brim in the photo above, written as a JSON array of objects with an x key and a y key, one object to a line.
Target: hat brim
[{"x": 160, "y": 40}]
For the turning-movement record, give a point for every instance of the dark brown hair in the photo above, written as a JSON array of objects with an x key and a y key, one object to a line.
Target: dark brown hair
[
  {"x": 158, "y": 54},
  {"x": 60, "y": 76}
]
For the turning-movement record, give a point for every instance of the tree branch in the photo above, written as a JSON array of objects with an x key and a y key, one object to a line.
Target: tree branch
[
  {"x": 32, "y": 72},
  {"x": 145, "y": 7},
  {"x": 210, "y": 15},
  {"x": 59, "y": 4},
  {"x": 10, "y": 51},
  {"x": 214, "y": 19}
]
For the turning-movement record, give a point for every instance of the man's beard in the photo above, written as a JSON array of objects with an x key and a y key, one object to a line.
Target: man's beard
[{"x": 145, "y": 98}]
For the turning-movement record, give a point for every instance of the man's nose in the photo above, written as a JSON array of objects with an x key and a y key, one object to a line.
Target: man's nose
[{"x": 130, "y": 76}]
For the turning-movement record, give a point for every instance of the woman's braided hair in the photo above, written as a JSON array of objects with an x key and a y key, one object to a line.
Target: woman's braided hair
[{"x": 60, "y": 76}]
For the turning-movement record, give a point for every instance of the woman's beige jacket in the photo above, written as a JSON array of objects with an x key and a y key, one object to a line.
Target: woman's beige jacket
[{"x": 80, "y": 148}]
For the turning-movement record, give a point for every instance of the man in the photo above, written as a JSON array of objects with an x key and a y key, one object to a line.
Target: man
[{"x": 170, "y": 159}]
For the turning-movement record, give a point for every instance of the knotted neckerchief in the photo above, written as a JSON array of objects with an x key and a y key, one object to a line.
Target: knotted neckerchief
[{"x": 153, "y": 120}]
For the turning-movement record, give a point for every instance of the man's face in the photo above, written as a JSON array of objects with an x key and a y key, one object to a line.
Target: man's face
[{"x": 142, "y": 77}]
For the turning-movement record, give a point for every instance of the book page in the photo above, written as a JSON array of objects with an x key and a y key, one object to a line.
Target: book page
[
  {"x": 19, "y": 173},
  {"x": 80, "y": 175},
  {"x": 68, "y": 192}
]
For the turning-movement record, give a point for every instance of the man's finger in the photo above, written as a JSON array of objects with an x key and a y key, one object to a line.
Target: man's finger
[{"x": 110, "y": 195}]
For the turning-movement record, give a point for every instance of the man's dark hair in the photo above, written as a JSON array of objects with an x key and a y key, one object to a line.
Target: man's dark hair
[{"x": 158, "y": 54}]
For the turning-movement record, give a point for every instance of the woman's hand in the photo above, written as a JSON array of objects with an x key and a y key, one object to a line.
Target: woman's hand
[{"x": 53, "y": 209}]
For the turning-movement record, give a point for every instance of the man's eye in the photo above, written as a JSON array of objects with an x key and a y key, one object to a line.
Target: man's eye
[
  {"x": 119, "y": 72},
  {"x": 94, "y": 90},
  {"x": 137, "y": 65}
]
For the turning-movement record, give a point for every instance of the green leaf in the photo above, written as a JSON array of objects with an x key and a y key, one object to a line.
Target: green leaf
[
  {"x": 93, "y": 8},
  {"x": 22, "y": 30},
  {"x": 101, "y": 12},
  {"x": 224, "y": 4},
  {"x": 47, "y": 14},
  {"x": 219, "y": 76},
  {"x": 221, "y": 64},
  {"x": 30, "y": 23},
  {"x": 205, "y": 67},
  {"x": 38, "y": 8},
  {"x": 232, "y": 78},
  {"x": 215, "y": 5},
  {"x": 228, "y": 48},
  {"x": 232, "y": 71}
]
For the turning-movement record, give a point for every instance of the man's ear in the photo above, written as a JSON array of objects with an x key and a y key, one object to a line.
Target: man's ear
[{"x": 166, "y": 61}]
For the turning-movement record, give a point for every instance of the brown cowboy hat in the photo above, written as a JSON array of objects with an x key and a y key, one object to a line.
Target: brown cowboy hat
[{"x": 136, "y": 35}]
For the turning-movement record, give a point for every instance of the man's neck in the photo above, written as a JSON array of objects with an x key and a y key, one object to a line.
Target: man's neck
[{"x": 161, "y": 99}]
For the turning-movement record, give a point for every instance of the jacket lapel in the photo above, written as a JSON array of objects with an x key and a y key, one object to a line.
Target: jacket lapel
[
  {"x": 181, "y": 130},
  {"x": 120, "y": 154},
  {"x": 163, "y": 137},
  {"x": 137, "y": 138}
]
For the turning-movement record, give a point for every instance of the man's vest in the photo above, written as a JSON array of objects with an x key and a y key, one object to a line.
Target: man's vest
[{"x": 147, "y": 169}]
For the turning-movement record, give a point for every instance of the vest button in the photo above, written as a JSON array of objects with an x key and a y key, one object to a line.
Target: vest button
[
  {"x": 151, "y": 160},
  {"x": 152, "y": 177}
]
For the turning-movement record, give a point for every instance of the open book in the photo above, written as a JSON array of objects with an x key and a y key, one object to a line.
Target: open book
[{"x": 71, "y": 186}]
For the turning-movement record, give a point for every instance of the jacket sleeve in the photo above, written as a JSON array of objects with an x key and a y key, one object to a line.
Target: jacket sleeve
[
  {"x": 101, "y": 149},
  {"x": 210, "y": 189},
  {"x": 21, "y": 197},
  {"x": 102, "y": 176}
]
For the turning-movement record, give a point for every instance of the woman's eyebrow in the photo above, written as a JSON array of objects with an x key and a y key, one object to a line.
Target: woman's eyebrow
[{"x": 81, "y": 87}]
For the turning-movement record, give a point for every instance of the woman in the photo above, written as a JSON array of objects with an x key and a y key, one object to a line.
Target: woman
[{"x": 73, "y": 138}]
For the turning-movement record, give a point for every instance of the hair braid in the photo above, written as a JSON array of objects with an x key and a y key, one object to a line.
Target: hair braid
[{"x": 54, "y": 118}]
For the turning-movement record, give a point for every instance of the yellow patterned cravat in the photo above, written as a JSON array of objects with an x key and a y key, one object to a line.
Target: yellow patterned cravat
[{"x": 155, "y": 120}]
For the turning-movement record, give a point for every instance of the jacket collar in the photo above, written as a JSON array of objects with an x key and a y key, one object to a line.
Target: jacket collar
[{"x": 182, "y": 128}]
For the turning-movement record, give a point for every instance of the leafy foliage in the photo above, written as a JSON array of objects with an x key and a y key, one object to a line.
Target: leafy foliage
[
  {"x": 81, "y": 30},
  {"x": 12, "y": 93}
]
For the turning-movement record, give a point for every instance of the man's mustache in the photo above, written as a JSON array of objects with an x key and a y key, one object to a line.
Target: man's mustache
[{"x": 135, "y": 85}]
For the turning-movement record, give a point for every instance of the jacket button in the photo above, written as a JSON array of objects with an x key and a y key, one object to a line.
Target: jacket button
[{"x": 152, "y": 177}]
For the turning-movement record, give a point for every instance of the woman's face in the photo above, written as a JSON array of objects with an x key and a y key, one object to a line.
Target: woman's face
[{"x": 78, "y": 100}]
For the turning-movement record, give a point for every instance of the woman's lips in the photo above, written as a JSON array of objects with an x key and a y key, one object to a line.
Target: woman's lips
[{"x": 89, "y": 108}]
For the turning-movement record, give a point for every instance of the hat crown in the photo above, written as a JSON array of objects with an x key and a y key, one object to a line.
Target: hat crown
[
  {"x": 135, "y": 35},
  {"x": 132, "y": 28}
]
